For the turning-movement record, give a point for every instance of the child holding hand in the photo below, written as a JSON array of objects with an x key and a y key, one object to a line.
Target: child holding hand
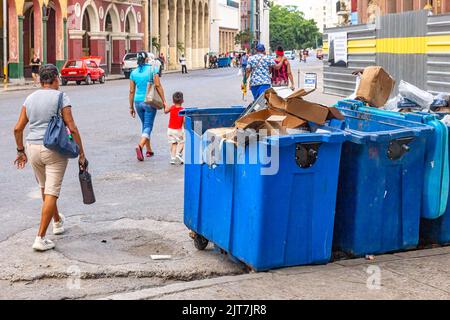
[{"x": 175, "y": 132}]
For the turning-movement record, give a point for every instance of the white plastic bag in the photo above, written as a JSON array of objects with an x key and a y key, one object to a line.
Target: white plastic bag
[
  {"x": 392, "y": 104},
  {"x": 446, "y": 119},
  {"x": 353, "y": 95},
  {"x": 423, "y": 98},
  {"x": 240, "y": 72}
]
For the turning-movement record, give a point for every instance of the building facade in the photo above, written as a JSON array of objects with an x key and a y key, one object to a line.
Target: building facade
[
  {"x": 105, "y": 28},
  {"x": 225, "y": 24},
  {"x": 368, "y": 10},
  {"x": 181, "y": 27},
  {"x": 3, "y": 53},
  {"x": 255, "y": 18},
  {"x": 35, "y": 27}
]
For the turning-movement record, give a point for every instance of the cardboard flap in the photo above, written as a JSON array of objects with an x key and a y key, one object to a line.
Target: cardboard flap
[
  {"x": 299, "y": 93},
  {"x": 335, "y": 114}
]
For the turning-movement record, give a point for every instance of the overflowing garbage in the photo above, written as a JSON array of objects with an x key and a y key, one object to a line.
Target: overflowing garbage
[
  {"x": 277, "y": 112},
  {"x": 374, "y": 86}
]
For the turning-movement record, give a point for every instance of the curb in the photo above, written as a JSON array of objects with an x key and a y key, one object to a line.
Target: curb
[
  {"x": 14, "y": 88},
  {"x": 155, "y": 293}
]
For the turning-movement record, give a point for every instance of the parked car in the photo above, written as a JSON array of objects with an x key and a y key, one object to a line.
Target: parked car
[
  {"x": 85, "y": 70},
  {"x": 129, "y": 63},
  {"x": 289, "y": 55}
]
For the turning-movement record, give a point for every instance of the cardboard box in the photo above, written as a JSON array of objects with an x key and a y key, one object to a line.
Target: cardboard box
[
  {"x": 295, "y": 105},
  {"x": 228, "y": 133},
  {"x": 270, "y": 120},
  {"x": 375, "y": 86}
]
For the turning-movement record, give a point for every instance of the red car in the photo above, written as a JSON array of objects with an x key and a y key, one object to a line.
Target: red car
[{"x": 85, "y": 70}]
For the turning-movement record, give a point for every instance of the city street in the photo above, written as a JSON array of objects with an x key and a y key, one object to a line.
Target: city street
[{"x": 105, "y": 252}]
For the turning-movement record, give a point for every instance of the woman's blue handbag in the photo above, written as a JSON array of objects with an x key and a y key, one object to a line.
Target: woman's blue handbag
[{"x": 57, "y": 137}]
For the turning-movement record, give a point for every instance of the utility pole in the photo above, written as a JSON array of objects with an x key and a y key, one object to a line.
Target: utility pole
[
  {"x": 252, "y": 28},
  {"x": 5, "y": 51},
  {"x": 150, "y": 25}
]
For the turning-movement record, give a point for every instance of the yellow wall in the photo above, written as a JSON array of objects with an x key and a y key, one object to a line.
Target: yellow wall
[{"x": 407, "y": 45}]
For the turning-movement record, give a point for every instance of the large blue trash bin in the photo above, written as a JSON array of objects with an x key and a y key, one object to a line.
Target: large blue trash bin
[
  {"x": 380, "y": 184},
  {"x": 436, "y": 171},
  {"x": 435, "y": 222},
  {"x": 437, "y": 230},
  {"x": 265, "y": 221}
]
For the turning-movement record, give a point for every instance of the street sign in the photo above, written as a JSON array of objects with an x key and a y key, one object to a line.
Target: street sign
[{"x": 310, "y": 81}]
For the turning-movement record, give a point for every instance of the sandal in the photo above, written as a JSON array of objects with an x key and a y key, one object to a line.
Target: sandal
[
  {"x": 149, "y": 154},
  {"x": 139, "y": 154}
]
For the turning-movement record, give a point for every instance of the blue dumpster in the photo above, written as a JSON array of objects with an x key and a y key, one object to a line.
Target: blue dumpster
[
  {"x": 380, "y": 184},
  {"x": 283, "y": 218},
  {"x": 224, "y": 62},
  {"x": 435, "y": 222},
  {"x": 436, "y": 172},
  {"x": 437, "y": 230}
]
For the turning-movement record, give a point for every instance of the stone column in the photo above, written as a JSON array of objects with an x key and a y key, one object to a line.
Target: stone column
[
  {"x": 181, "y": 28},
  {"x": 195, "y": 36},
  {"x": 201, "y": 36},
  {"x": 188, "y": 35},
  {"x": 172, "y": 35},
  {"x": 44, "y": 39},
  {"x": 155, "y": 18},
  {"x": 164, "y": 28},
  {"x": 38, "y": 31},
  {"x": 65, "y": 39},
  {"x": 20, "y": 61}
]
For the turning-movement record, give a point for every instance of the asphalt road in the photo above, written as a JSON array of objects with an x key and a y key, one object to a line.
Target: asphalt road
[
  {"x": 139, "y": 208},
  {"x": 123, "y": 186}
]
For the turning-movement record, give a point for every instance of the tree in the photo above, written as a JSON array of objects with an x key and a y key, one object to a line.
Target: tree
[
  {"x": 290, "y": 29},
  {"x": 242, "y": 38}
]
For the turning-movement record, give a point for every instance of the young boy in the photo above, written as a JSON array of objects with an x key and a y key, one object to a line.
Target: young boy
[{"x": 175, "y": 132}]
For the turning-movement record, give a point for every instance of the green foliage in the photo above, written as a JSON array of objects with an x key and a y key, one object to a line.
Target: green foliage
[
  {"x": 290, "y": 29},
  {"x": 155, "y": 43},
  {"x": 242, "y": 37},
  {"x": 180, "y": 47}
]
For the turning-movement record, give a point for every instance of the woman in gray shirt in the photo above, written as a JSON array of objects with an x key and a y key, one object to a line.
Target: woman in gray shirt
[{"x": 48, "y": 166}]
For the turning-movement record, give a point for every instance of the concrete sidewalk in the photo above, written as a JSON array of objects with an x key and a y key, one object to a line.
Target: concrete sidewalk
[
  {"x": 10, "y": 87},
  {"x": 421, "y": 274}
]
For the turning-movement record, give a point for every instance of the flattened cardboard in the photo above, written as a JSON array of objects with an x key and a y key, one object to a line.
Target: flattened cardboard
[
  {"x": 269, "y": 119},
  {"x": 295, "y": 105},
  {"x": 375, "y": 86}
]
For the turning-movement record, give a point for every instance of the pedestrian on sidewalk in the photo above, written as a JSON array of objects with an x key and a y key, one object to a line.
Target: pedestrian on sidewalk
[
  {"x": 162, "y": 60},
  {"x": 183, "y": 64},
  {"x": 282, "y": 76},
  {"x": 175, "y": 132},
  {"x": 142, "y": 77},
  {"x": 205, "y": 59},
  {"x": 35, "y": 64},
  {"x": 48, "y": 166},
  {"x": 259, "y": 67}
]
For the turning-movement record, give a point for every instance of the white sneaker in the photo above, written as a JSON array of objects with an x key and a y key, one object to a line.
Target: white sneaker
[
  {"x": 180, "y": 158},
  {"x": 42, "y": 244},
  {"x": 173, "y": 160},
  {"x": 58, "y": 227}
]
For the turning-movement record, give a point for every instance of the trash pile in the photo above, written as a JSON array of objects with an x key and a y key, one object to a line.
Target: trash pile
[
  {"x": 278, "y": 112},
  {"x": 374, "y": 87}
]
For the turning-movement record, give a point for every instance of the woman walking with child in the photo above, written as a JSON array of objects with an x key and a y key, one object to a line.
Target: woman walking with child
[{"x": 141, "y": 78}]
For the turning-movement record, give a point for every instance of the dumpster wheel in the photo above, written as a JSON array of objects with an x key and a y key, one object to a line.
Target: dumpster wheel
[{"x": 200, "y": 242}]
